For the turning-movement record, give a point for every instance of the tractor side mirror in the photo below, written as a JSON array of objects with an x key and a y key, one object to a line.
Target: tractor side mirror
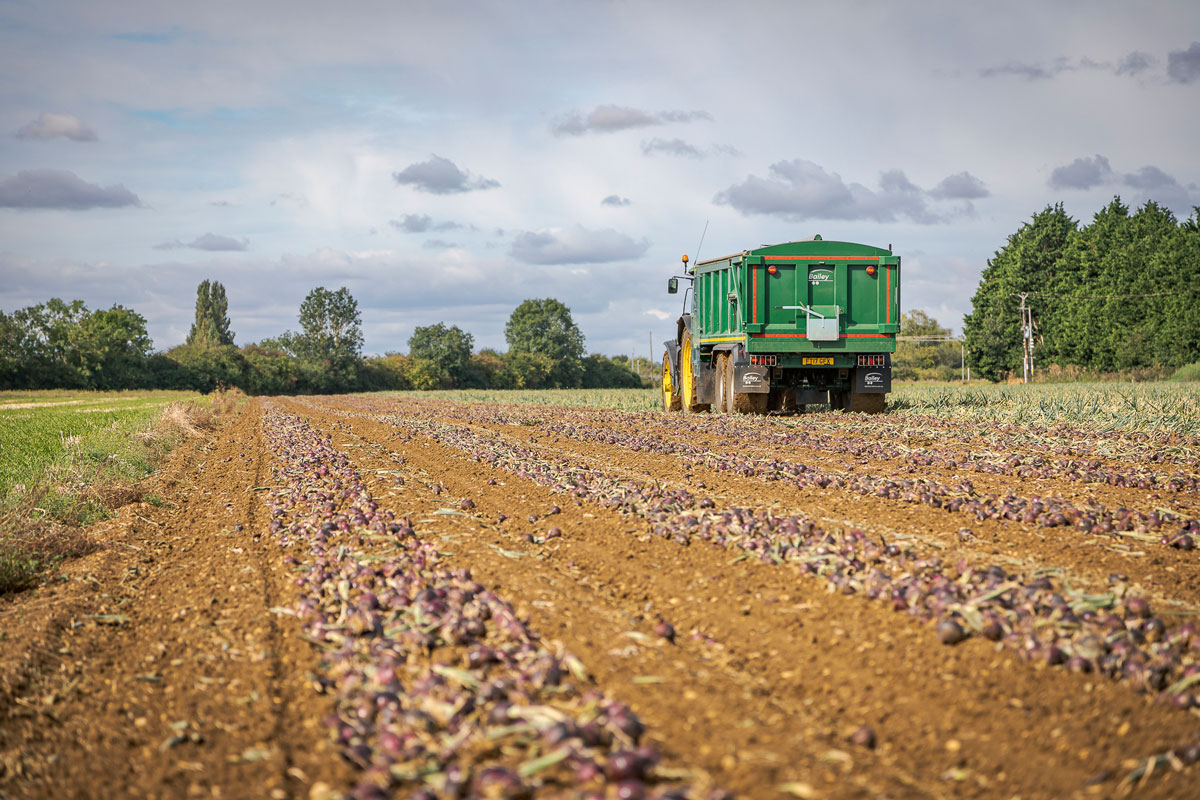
[{"x": 672, "y": 285}]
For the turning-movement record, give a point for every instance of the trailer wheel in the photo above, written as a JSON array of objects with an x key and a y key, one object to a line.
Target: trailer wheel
[
  {"x": 688, "y": 378},
  {"x": 670, "y": 392},
  {"x": 724, "y": 384}
]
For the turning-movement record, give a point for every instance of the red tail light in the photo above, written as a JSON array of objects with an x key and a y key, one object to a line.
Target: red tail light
[
  {"x": 763, "y": 361},
  {"x": 872, "y": 361}
]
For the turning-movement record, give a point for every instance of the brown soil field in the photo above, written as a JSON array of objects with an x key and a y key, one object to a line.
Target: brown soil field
[{"x": 208, "y": 648}]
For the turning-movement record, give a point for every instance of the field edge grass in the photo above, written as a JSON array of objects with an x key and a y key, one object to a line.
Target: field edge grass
[{"x": 45, "y": 520}]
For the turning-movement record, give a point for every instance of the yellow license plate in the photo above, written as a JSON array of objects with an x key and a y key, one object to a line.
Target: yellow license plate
[{"x": 817, "y": 361}]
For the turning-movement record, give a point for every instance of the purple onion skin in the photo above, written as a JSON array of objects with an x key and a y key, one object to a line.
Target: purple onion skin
[
  {"x": 950, "y": 632},
  {"x": 864, "y": 737},
  {"x": 350, "y": 601}
]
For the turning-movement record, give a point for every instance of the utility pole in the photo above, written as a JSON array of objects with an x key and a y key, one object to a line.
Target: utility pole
[{"x": 1026, "y": 337}]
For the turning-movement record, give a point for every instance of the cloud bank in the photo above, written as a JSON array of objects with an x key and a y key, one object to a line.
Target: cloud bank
[
  {"x": 800, "y": 190},
  {"x": 61, "y": 189},
  {"x": 576, "y": 245}
]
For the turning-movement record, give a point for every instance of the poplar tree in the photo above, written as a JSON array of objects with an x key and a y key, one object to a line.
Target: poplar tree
[{"x": 211, "y": 326}]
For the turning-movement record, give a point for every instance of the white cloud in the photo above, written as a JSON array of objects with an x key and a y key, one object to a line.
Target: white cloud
[
  {"x": 210, "y": 242},
  {"x": 576, "y": 245},
  {"x": 612, "y": 118},
  {"x": 1183, "y": 66},
  {"x": 1082, "y": 173},
  {"x": 800, "y": 190},
  {"x": 440, "y": 176},
  {"x": 49, "y": 125}
]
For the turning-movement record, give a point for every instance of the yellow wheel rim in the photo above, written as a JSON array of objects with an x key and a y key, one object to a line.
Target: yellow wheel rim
[
  {"x": 685, "y": 373},
  {"x": 667, "y": 388}
]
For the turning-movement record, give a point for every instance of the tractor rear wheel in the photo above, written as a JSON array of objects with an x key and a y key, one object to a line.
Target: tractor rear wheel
[
  {"x": 670, "y": 392},
  {"x": 687, "y": 377}
]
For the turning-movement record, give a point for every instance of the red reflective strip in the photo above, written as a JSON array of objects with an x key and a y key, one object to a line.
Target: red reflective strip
[
  {"x": 755, "y": 272},
  {"x": 821, "y": 258},
  {"x": 889, "y": 294},
  {"x": 805, "y": 335}
]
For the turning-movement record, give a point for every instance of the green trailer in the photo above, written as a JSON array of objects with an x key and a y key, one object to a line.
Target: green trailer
[{"x": 783, "y": 326}]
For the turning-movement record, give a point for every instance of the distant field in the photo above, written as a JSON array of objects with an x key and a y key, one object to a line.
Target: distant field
[
  {"x": 69, "y": 435},
  {"x": 1151, "y": 406},
  {"x": 1155, "y": 406}
]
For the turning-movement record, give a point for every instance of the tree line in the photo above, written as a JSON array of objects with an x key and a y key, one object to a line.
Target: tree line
[
  {"x": 1116, "y": 295},
  {"x": 65, "y": 345}
]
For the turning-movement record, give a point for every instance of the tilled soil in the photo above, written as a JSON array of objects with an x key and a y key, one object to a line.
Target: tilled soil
[{"x": 168, "y": 664}]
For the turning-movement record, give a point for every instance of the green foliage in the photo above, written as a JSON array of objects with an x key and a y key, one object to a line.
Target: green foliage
[
  {"x": 270, "y": 370},
  {"x": 381, "y": 373},
  {"x": 1026, "y": 263},
  {"x": 1188, "y": 372},
  {"x": 602, "y": 372},
  {"x": 112, "y": 347},
  {"x": 211, "y": 326},
  {"x": 1115, "y": 295},
  {"x": 208, "y": 367},
  {"x": 440, "y": 356},
  {"x": 526, "y": 370},
  {"x": 330, "y": 342},
  {"x": 63, "y": 345},
  {"x": 18, "y": 570},
  {"x": 57, "y": 344},
  {"x": 545, "y": 328},
  {"x": 925, "y": 360}
]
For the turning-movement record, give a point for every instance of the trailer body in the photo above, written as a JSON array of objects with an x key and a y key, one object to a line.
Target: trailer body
[{"x": 786, "y": 325}]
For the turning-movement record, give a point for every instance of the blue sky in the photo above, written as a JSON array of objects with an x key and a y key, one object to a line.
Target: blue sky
[{"x": 446, "y": 160}]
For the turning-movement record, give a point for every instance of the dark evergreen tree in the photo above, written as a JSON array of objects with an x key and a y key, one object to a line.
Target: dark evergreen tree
[{"x": 1027, "y": 263}]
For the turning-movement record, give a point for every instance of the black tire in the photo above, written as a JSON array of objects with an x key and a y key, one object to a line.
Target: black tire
[{"x": 724, "y": 384}]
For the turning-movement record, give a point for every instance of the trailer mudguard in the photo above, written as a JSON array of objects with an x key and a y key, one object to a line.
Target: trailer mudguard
[
  {"x": 751, "y": 380},
  {"x": 672, "y": 346},
  {"x": 873, "y": 380},
  {"x": 747, "y": 379}
]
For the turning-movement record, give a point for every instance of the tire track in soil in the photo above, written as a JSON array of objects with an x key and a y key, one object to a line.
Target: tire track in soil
[
  {"x": 175, "y": 679},
  {"x": 793, "y": 669}
]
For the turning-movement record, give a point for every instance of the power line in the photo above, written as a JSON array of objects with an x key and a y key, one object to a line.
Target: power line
[{"x": 1106, "y": 296}]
